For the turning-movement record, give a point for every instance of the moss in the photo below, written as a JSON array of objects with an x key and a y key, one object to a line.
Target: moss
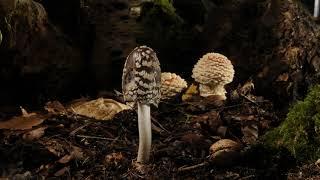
[
  {"x": 173, "y": 38},
  {"x": 300, "y": 131},
  {"x": 167, "y": 7}
]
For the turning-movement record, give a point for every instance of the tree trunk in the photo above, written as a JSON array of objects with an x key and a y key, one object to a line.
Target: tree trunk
[
  {"x": 276, "y": 42},
  {"x": 37, "y": 61}
]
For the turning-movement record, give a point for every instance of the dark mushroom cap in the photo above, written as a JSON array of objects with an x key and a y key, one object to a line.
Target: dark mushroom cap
[{"x": 141, "y": 78}]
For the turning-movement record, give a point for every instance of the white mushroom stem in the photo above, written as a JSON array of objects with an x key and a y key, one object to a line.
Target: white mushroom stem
[
  {"x": 316, "y": 8},
  {"x": 0, "y": 37},
  {"x": 210, "y": 90},
  {"x": 145, "y": 135}
]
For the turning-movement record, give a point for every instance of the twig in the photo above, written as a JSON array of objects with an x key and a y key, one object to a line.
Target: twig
[
  {"x": 182, "y": 169},
  {"x": 72, "y": 133},
  {"x": 247, "y": 98},
  {"x": 96, "y": 137},
  {"x": 154, "y": 120}
]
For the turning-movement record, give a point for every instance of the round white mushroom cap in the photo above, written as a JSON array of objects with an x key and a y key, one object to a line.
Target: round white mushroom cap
[
  {"x": 141, "y": 78},
  {"x": 171, "y": 85},
  {"x": 213, "y": 68},
  {"x": 212, "y": 72}
]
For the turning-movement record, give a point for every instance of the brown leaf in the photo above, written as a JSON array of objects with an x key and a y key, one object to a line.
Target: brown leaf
[
  {"x": 214, "y": 100},
  {"x": 62, "y": 171},
  {"x": 222, "y": 131},
  {"x": 113, "y": 158},
  {"x": 191, "y": 91},
  {"x": 55, "y": 107},
  {"x": 26, "y": 121},
  {"x": 75, "y": 154},
  {"x": 283, "y": 77},
  {"x": 65, "y": 159},
  {"x": 244, "y": 117},
  {"x": 208, "y": 121},
  {"x": 250, "y": 133},
  {"x": 247, "y": 88},
  {"x": 100, "y": 109},
  {"x": 55, "y": 147},
  {"x": 34, "y": 134}
]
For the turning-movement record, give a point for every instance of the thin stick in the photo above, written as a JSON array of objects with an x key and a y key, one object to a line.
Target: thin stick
[
  {"x": 72, "y": 133},
  {"x": 182, "y": 169},
  {"x": 160, "y": 125},
  {"x": 96, "y": 137}
]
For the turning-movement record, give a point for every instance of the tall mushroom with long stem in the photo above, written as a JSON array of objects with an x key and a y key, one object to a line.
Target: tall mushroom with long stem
[{"x": 141, "y": 81}]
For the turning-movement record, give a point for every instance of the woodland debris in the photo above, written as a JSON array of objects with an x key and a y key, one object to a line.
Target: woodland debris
[
  {"x": 23, "y": 122},
  {"x": 34, "y": 134},
  {"x": 100, "y": 109},
  {"x": 225, "y": 152}
]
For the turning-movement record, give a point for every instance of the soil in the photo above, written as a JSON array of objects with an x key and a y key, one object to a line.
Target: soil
[{"x": 70, "y": 146}]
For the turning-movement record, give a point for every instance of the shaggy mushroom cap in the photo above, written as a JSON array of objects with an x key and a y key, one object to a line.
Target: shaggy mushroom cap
[
  {"x": 141, "y": 78},
  {"x": 171, "y": 85},
  {"x": 213, "y": 71}
]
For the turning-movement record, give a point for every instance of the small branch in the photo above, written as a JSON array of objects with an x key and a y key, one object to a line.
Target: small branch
[
  {"x": 188, "y": 168},
  {"x": 164, "y": 129},
  {"x": 72, "y": 133},
  {"x": 97, "y": 137}
]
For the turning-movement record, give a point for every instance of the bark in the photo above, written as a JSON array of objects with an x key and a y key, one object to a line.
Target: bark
[{"x": 113, "y": 39}]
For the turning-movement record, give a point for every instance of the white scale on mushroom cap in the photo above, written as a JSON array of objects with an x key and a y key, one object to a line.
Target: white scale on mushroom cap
[{"x": 141, "y": 81}]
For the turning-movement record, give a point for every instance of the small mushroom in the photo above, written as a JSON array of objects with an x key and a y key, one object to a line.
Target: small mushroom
[
  {"x": 224, "y": 152},
  {"x": 141, "y": 81},
  {"x": 213, "y": 71},
  {"x": 171, "y": 85}
]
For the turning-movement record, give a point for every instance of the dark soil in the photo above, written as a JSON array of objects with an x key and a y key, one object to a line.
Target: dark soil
[{"x": 183, "y": 132}]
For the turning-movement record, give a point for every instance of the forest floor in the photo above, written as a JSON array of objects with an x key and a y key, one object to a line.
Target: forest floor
[{"x": 65, "y": 145}]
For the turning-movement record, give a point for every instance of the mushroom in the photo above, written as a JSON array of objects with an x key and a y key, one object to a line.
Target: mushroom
[
  {"x": 225, "y": 152},
  {"x": 141, "y": 81},
  {"x": 213, "y": 71},
  {"x": 316, "y": 8},
  {"x": 171, "y": 85}
]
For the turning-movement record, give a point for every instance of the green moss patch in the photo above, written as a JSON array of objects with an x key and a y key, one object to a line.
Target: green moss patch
[{"x": 300, "y": 131}]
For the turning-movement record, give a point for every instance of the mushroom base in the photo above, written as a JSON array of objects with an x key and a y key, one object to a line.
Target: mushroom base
[{"x": 206, "y": 90}]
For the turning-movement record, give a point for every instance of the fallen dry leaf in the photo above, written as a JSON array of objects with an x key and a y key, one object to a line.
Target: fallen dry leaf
[
  {"x": 209, "y": 121},
  {"x": 244, "y": 117},
  {"x": 113, "y": 158},
  {"x": 23, "y": 122},
  {"x": 55, "y": 147},
  {"x": 250, "y": 133},
  {"x": 34, "y": 134},
  {"x": 62, "y": 171},
  {"x": 247, "y": 88},
  {"x": 283, "y": 77},
  {"x": 191, "y": 91},
  {"x": 75, "y": 154},
  {"x": 55, "y": 107},
  {"x": 65, "y": 159},
  {"x": 100, "y": 109}
]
